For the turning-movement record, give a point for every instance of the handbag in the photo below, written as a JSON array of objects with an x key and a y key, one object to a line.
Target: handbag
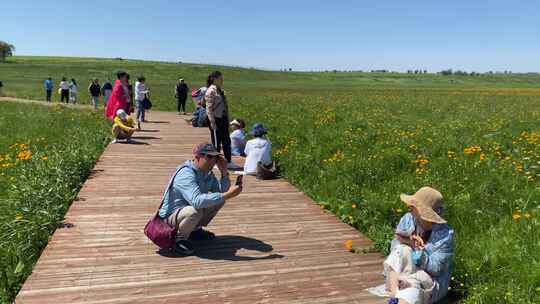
[
  {"x": 157, "y": 230},
  {"x": 147, "y": 104}
]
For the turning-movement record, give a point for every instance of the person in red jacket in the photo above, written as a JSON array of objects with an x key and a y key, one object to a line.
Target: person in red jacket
[{"x": 120, "y": 96}]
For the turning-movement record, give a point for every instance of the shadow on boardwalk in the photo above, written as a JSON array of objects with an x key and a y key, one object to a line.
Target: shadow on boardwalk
[{"x": 226, "y": 248}]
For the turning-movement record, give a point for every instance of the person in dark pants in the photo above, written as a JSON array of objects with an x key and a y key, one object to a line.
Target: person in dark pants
[
  {"x": 181, "y": 93},
  {"x": 48, "y": 89},
  {"x": 217, "y": 110},
  {"x": 64, "y": 90},
  {"x": 1, "y": 87}
]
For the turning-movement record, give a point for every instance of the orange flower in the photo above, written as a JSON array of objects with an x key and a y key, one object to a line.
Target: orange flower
[
  {"x": 349, "y": 244},
  {"x": 516, "y": 216},
  {"x": 353, "y": 206}
]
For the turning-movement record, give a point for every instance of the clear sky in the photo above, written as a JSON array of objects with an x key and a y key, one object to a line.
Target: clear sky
[{"x": 473, "y": 35}]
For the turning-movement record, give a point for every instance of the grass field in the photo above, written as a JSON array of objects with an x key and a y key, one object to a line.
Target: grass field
[
  {"x": 355, "y": 141},
  {"x": 44, "y": 158}
]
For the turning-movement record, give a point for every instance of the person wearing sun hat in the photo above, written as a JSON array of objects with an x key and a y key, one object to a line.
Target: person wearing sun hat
[
  {"x": 123, "y": 127},
  {"x": 257, "y": 150},
  {"x": 418, "y": 268},
  {"x": 238, "y": 137},
  {"x": 194, "y": 196}
]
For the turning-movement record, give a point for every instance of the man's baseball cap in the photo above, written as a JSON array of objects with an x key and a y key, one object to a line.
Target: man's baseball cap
[{"x": 205, "y": 149}]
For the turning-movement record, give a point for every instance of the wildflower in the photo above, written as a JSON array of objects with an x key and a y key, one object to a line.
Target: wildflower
[
  {"x": 18, "y": 217},
  {"x": 482, "y": 156},
  {"x": 516, "y": 216},
  {"x": 353, "y": 206},
  {"x": 44, "y": 158},
  {"x": 527, "y": 215},
  {"x": 24, "y": 155},
  {"x": 349, "y": 244},
  {"x": 398, "y": 210}
]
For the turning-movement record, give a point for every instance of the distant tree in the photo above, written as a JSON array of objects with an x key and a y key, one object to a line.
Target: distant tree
[
  {"x": 290, "y": 70},
  {"x": 447, "y": 72},
  {"x": 6, "y": 50},
  {"x": 425, "y": 71}
]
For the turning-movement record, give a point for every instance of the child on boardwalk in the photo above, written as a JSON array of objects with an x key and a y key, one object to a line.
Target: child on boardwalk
[{"x": 123, "y": 127}]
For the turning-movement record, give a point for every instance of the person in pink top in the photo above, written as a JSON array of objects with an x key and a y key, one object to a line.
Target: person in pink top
[{"x": 119, "y": 97}]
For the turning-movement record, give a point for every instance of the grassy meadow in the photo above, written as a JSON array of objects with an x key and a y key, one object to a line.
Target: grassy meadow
[
  {"x": 45, "y": 156},
  {"x": 355, "y": 141}
]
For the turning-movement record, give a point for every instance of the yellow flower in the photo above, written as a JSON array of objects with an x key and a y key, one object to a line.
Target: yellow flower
[
  {"x": 398, "y": 210},
  {"x": 349, "y": 244},
  {"x": 353, "y": 206},
  {"x": 18, "y": 217},
  {"x": 527, "y": 215},
  {"x": 44, "y": 158},
  {"x": 24, "y": 155},
  {"x": 516, "y": 216},
  {"x": 482, "y": 156}
]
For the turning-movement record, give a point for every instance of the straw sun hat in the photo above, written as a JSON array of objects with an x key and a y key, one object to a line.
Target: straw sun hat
[{"x": 428, "y": 202}]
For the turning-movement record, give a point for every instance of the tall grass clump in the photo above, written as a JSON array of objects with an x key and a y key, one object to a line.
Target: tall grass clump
[{"x": 44, "y": 159}]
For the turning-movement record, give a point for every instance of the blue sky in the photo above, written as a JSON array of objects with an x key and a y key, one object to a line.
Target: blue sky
[{"x": 304, "y": 35}]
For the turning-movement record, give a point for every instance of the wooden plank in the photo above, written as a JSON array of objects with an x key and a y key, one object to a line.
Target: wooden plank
[{"x": 274, "y": 245}]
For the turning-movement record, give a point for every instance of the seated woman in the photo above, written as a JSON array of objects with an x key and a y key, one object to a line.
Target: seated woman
[
  {"x": 123, "y": 127},
  {"x": 258, "y": 161},
  {"x": 238, "y": 137},
  {"x": 418, "y": 268}
]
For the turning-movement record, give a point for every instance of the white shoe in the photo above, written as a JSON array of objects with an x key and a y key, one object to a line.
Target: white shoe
[
  {"x": 114, "y": 141},
  {"x": 233, "y": 166}
]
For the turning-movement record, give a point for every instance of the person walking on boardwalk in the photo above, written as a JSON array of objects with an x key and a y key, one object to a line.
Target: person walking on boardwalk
[
  {"x": 106, "y": 91},
  {"x": 141, "y": 94},
  {"x": 194, "y": 196},
  {"x": 48, "y": 89},
  {"x": 64, "y": 90},
  {"x": 181, "y": 93},
  {"x": 73, "y": 90},
  {"x": 119, "y": 97},
  {"x": 217, "y": 110},
  {"x": 95, "y": 91}
]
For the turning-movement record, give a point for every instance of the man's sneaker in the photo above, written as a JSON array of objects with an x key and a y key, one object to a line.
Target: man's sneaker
[
  {"x": 183, "y": 247},
  {"x": 114, "y": 141},
  {"x": 233, "y": 166},
  {"x": 201, "y": 235}
]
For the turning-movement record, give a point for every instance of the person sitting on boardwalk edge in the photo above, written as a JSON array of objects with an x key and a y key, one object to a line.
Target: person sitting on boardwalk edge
[
  {"x": 194, "y": 197},
  {"x": 123, "y": 127},
  {"x": 419, "y": 265}
]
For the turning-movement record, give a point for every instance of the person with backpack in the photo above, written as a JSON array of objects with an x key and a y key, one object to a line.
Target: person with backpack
[
  {"x": 73, "y": 89},
  {"x": 95, "y": 91},
  {"x": 217, "y": 110},
  {"x": 181, "y": 92},
  {"x": 194, "y": 196},
  {"x": 199, "y": 118}
]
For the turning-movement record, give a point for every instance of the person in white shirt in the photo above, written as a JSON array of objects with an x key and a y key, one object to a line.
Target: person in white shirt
[
  {"x": 238, "y": 137},
  {"x": 64, "y": 90},
  {"x": 141, "y": 93},
  {"x": 257, "y": 150},
  {"x": 73, "y": 91}
]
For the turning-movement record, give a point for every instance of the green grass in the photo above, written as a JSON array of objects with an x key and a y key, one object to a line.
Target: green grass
[
  {"x": 44, "y": 158},
  {"x": 364, "y": 138}
]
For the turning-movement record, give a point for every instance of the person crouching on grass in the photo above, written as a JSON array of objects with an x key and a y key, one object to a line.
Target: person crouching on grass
[
  {"x": 194, "y": 196},
  {"x": 123, "y": 127},
  {"x": 418, "y": 268}
]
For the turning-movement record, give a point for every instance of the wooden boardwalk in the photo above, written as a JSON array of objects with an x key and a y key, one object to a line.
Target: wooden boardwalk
[{"x": 274, "y": 244}]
